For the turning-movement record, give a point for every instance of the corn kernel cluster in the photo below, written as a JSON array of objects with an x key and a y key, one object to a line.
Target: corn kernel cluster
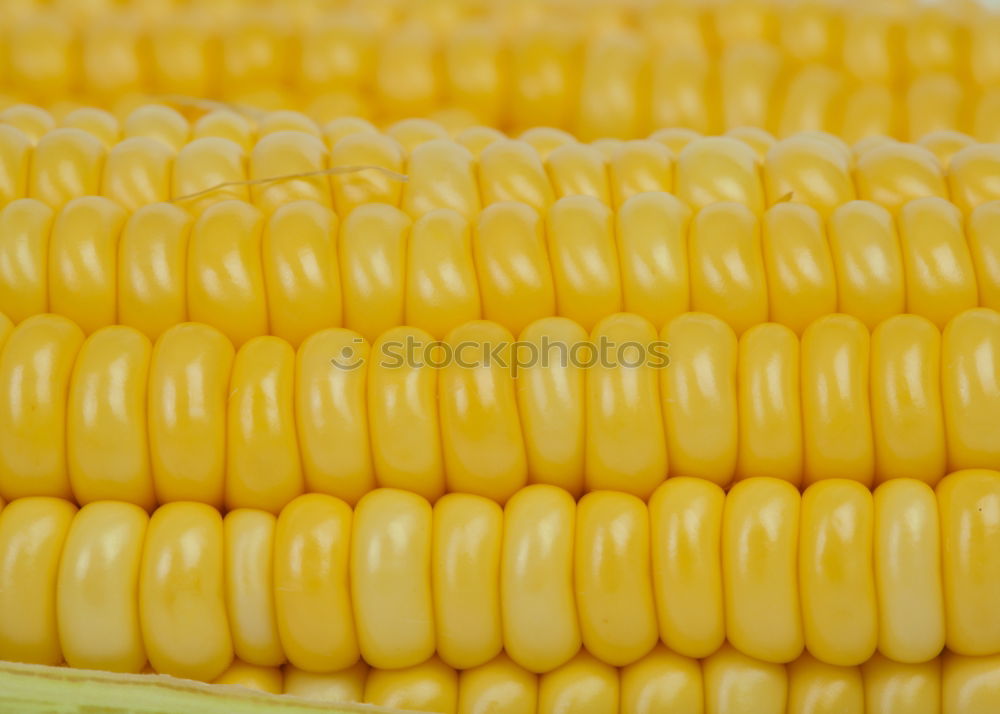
[{"x": 527, "y": 357}]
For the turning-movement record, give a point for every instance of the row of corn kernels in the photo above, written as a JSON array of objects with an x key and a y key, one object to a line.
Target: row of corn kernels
[
  {"x": 724, "y": 683},
  {"x": 479, "y": 168},
  {"x": 838, "y": 571},
  {"x": 299, "y": 269},
  {"x": 112, "y": 417},
  {"x": 540, "y": 72}
]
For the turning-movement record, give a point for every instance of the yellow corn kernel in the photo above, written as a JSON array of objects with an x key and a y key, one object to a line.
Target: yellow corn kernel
[
  {"x": 652, "y": 236},
  {"x": 540, "y": 626},
  {"x": 940, "y": 278},
  {"x": 872, "y": 112},
  {"x": 969, "y": 684},
  {"x": 158, "y": 122},
  {"x": 188, "y": 389},
  {"x": 972, "y": 176},
  {"x": 106, "y": 434},
  {"x": 760, "y": 140},
  {"x": 612, "y": 579},
  {"x": 512, "y": 265},
  {"x": 25, "y": 226},
  {"x": 203, "y": 165},
  {"x": 760, "y": 527},
  {"x": 286, "y": 120},
  {"x": 428, "y": 687},
  {"x": 301, "y": 275},
  {"x": 66, "y": 164},
  {"x": 344, "y": 686},
  {"x": 330, "y": 420},
  {"x": 498, "y": 685},
  {"x": 403, "y": 417},
  {"x": 944, "y": 144},
  {"x": 613, "y": 87},
  {"x": 15, "y": 152},
  {"x": 481, "y": 431},
  {"x": 584, "y": 684},
  {"x": 805, "y": 170},
  {"x": 183, "y": 54},
  {"x": 225, "y": 286},
  {"x": 311, "y": 575},
  {"x": 815, "y": 687},
  {"x": 970, "y": 355},
  {"x": 737, "y": 684},
  {"x": 661, "y": 681},
  {"x": 336, "y": 129},
  {"x": 248, "y": 537},
  {"x": 413, "y": 132},
  {"x": 441, "y": 288},
  {"x": 578, "y": 170},
  {"x": 96, "y": 603},
  {"x": 406, "y": 75},
  {"x": 969, "y": 504},
  {"x": 907, "y": 417},
  {"x": 770, "y": 415},
  {"x": 894, "y": 688},
  {"x": 584, "y": 262},
  {"x": 441, "y": 175},
  {"x": 479, "y": 138},
  {"x": 748, "y": 74},
  {"x": 835, "y": 401},
  {"x": 83, "y": 252},
  {"x": 391, "y": 580},
  {"x": 640, "y": 166},
  {"x": 35, "y": 368},
  {"x": 983, "y": 234},
  {"x": 546, "y": 139},
  {"x": 465, "y": 575},
  {"x": 625, "y": 443},
  {"x": 32, "y": 533},
  {"x": 373, "y": 240},
  {"x": 682, "y": 96},
  {"x": 544, "y": 75},
  {"x": 137, "y": 172},
  {"x": 719, "y": 169},
  {"x": 814, "y": 96},
  {"x": 934, "y": 102},
  {"x": 182, "y": 593},
  {"x": 698, "y": 395},
  {"x": 727, "y": 265},
  {"x": 263, "y": 469},
  {"x": 908, "y": 571},
  {"x": 686, "y": 525},
  {"x": 836, "y": 580},
  {"x": 550, "y": 395},
  {"x": 354, "y": 189},
  {"x": 285, "y": 153},
  {"x": 513, "y": 171},
  {"x": 33, "y": 122},
  {"x": 475, "y": 71},
  {"x": 225, "y": 124},
  {"x": 250, "y": 676},
  {"x": 96, "y": 122},
  {"x": 868, "y": 262},
  {"x": 895, "y": 173}
]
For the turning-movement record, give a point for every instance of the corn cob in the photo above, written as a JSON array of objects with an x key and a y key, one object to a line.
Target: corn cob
[
  {"x": 611, "y": 72},
  {"x": 114, "y": 417},
  {"x": 398, "y": 580}
]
